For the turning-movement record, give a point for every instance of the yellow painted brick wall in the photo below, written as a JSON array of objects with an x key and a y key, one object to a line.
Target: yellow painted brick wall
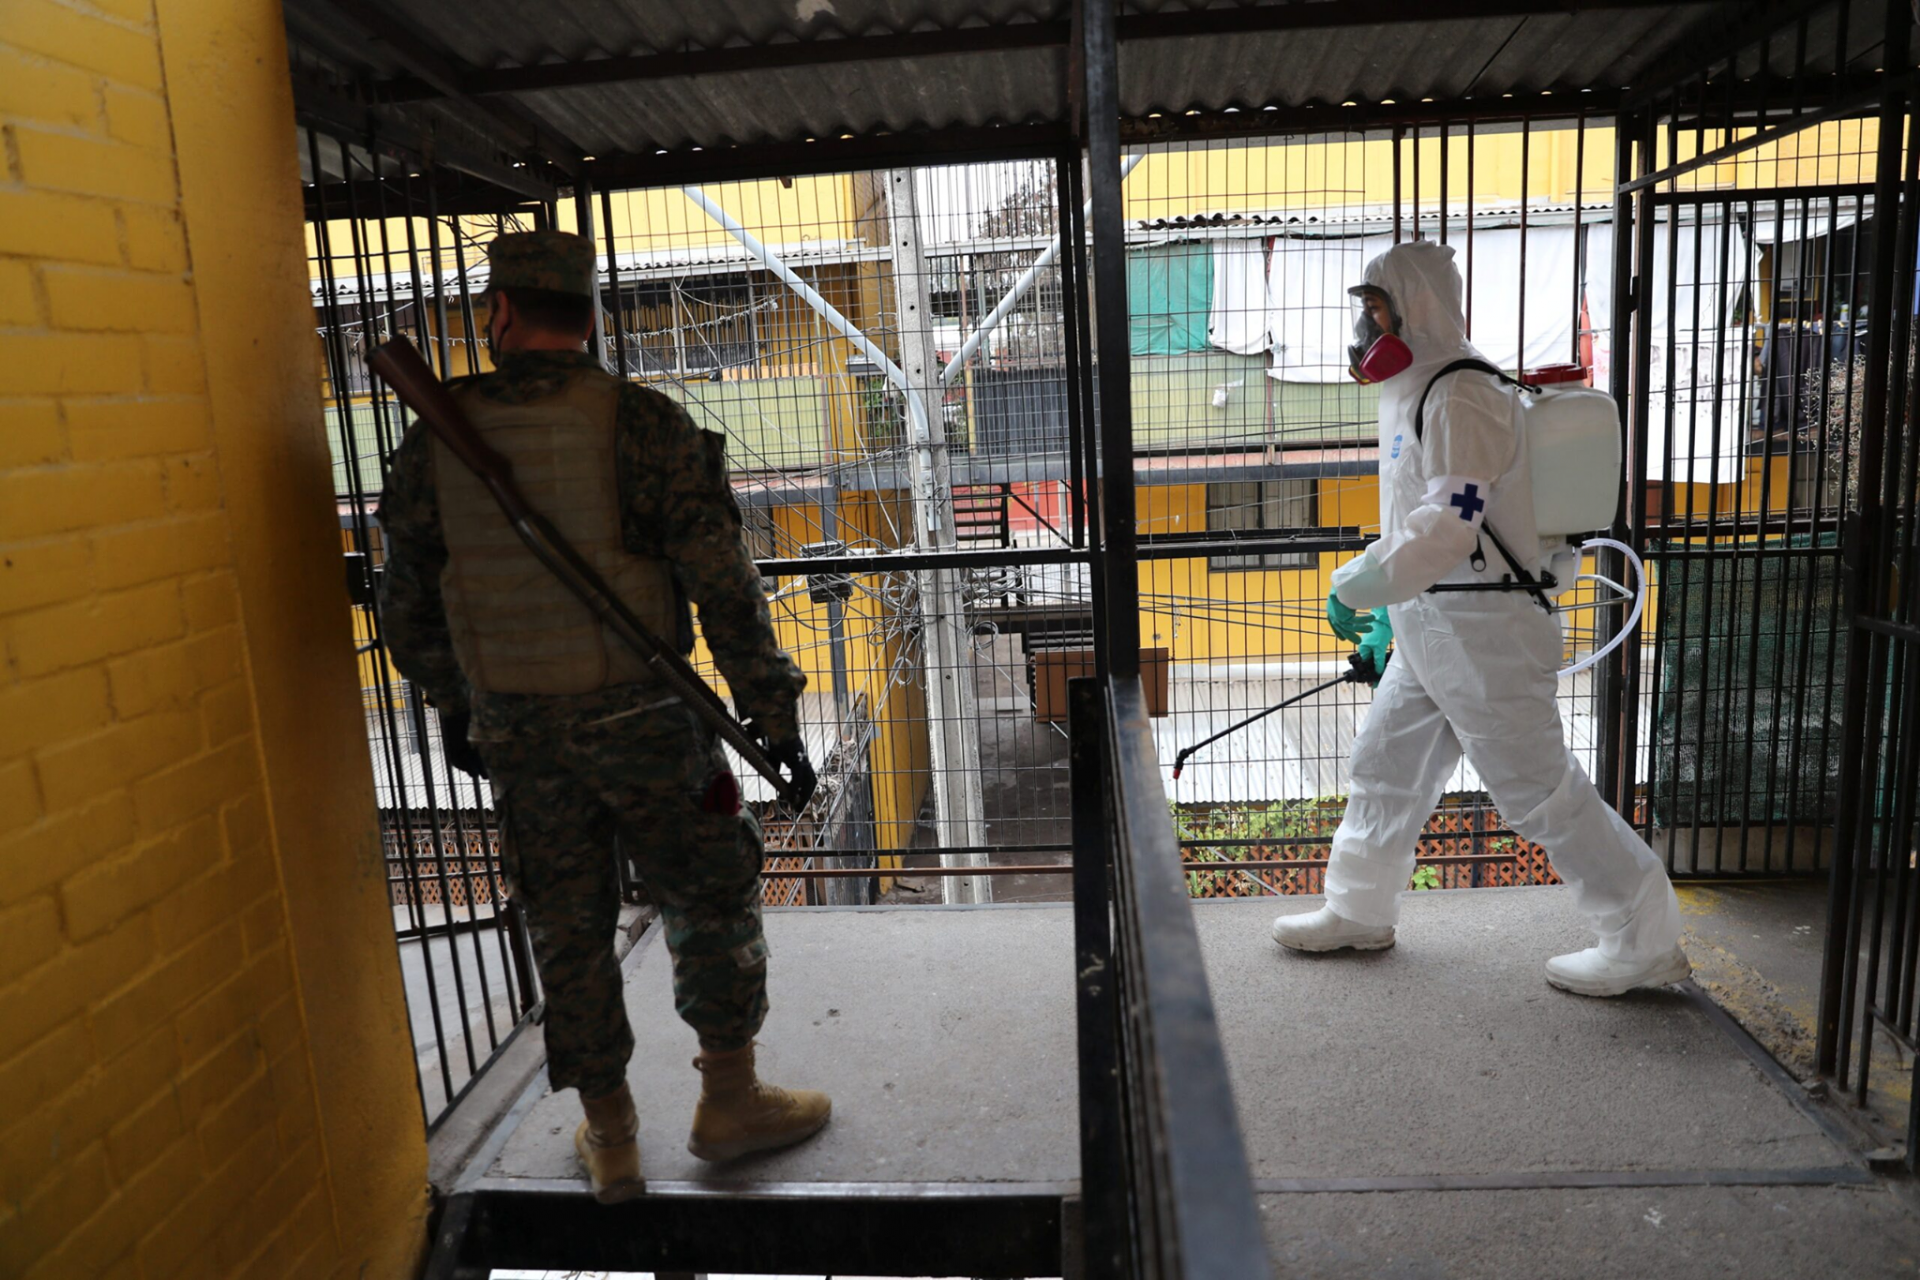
[{"x": 160, "y": 1113}]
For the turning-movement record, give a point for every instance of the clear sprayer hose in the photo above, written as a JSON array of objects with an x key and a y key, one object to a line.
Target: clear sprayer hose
[{"x": 1633, "y": 616}]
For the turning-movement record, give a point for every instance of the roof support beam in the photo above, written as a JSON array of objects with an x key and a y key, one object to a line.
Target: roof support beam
[
  {"x": 1011, "y": 37},
  {"x": 318, "y": 107},
  {"x": 1726, "y": 34},
  {"x": 446, "y": 75}
]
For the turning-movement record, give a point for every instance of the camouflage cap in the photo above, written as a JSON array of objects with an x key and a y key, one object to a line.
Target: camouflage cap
[{"x": 557, "y": 261}]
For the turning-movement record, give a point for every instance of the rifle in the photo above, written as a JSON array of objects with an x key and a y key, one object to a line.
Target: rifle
[{"x": 399, "y": 363}]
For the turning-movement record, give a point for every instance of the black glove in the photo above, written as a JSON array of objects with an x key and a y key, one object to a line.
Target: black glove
[
  {"x": 453, "y": 740},
  {"x": 792, "y": 753}
]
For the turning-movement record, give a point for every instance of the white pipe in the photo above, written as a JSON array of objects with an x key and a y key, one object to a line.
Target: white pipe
[
  {"x": 1020, "y": 287},
  {"x": 1633, "y": 618},
  {"x": 922, "y": 435}
]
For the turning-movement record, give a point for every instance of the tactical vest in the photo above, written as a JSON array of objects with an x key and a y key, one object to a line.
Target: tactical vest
[{"x": 515, "y": 628}]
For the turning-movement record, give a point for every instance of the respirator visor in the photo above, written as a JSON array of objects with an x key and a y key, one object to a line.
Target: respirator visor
[{"x": 1377, "y": 352}]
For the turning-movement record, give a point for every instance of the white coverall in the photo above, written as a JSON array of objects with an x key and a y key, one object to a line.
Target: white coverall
[{"x": 1472, "y": 672}]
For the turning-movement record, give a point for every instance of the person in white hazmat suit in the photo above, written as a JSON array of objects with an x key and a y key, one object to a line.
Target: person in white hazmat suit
[{"x": 1474, "y": 671}]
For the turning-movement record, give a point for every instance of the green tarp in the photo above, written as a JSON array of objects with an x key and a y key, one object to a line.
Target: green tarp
[
  {"x": 1747, "y": 724},
  {"x": 1169, "y": 296}
]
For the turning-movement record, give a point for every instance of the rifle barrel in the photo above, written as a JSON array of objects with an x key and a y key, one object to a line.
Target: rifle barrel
[{"x": 400, "y": 364}]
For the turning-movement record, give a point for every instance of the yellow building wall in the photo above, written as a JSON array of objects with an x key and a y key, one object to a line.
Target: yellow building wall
[
  {"x": 1269, "y": 615},
  {"x": 204, "y": 1061},
  {"x": 1552, "y": 167}
]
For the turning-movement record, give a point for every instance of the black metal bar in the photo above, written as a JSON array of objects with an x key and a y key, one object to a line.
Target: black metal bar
[
  {"x": 1415, "y": 134},
  {"x": 338, "y": 377},
  {"x": 1849, "y": 460},
  {"x": 1816, "y": 517},
  {"x": 1852, "y": 104},
  {"x": 1520, "y": 302},
  {"x": 583, "y": 225},
  {"x": 1728, "y": 552},
  {"x": 1737, "y": 430},
  {"x": 1102, "y": 1182},
  {"x": 469, "y": 321},
  {"x": 426, "y": 753},
  {"x": 818, "y": 1230},
  {"x": 1785, "y": 568},
  {"x": 618, "y": 309},
  {"x": 1863, "y": 588},
  {"x": 1610, "y": 675},
  {"x": 1121, "y": 605},
  {"x": 1898, "y": 784},
  {"x": 1066, "y": 168},
  {"x": 1897, "y": 757},
  {"x": 1639, "y": 276},
  {"x": 1199, "y": 1220},
  {"x": 1579, "y": 232},
  {"x": 1399, "y": 138},
  {"x": 823, "y": 155},
  {"x": 1472, "y": 175}
]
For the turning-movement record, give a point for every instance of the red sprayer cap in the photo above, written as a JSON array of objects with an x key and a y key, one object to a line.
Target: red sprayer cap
[{"x": 1555, "y": 374}]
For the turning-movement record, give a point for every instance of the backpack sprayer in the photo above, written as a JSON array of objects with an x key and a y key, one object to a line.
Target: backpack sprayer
[{"x": 1573, "y": 434}]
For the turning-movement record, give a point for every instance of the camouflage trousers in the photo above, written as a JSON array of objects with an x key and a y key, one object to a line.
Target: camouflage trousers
[{"x": 568, "y": 775}]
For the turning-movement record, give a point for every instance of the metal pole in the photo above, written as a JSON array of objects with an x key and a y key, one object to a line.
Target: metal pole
[
  {"x": 953, "y": 724},
  {"x": 1865, "y": 650},
  {"x": 1399, "y": 134},
  {"x": 583, "y": 217},
  {"x": 613, "y": 284},
  {"x": 1103, "y": 1153},
  {"x": 1121, "y": 536}
]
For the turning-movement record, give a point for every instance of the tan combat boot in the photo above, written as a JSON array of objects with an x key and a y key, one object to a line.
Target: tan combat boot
[
  {"x": 608, "y": 1143},
  {"x": 737, "y": 1114}
]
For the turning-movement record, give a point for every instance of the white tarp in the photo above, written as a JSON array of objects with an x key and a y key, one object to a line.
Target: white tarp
[
  {"x": 1709, "y": 351},
  {"x": 1312, "y": 316},
  {"x": 1237, "y": 321}
]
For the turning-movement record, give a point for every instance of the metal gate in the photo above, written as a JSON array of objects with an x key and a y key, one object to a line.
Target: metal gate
[
  {"x": 380, "y": 268},
  {"x": 1765, "y": 276},
  {"x": 1746, "y": 369},
  {"x": 1873, "y": 939},
  {"x": 1753, "y": 307}
]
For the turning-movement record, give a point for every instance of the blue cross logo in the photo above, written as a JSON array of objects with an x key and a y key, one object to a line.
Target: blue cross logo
[{"x": 1470, "y": 502}]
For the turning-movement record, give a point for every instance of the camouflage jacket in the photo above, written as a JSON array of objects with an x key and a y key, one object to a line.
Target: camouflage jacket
[{"x": 676, "y": 504}]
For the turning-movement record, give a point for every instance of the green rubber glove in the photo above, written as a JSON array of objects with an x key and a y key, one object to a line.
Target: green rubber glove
[
  {"x": 1347, "y": 624},
  {"x": 1378, "y": 641}
]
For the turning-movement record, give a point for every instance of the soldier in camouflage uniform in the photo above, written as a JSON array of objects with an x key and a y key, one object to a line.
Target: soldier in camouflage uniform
[{"x": 577, "y": 736}]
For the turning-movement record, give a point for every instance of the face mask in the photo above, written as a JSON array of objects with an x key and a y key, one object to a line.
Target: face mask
[{"x": 1376, "y": 353}]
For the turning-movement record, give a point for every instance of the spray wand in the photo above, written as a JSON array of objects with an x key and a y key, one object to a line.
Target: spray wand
[{"x": 1360, "y": 670}]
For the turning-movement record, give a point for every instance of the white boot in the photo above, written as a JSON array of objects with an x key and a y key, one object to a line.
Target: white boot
[
  {"x": 1588, "y": 973},
  {"x": 1326, "y": 930}
]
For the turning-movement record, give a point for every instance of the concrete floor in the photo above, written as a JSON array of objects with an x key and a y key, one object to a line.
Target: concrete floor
[
  {"x": 1757, "y": 949},
  {"x": 1431, "y": 1111}
]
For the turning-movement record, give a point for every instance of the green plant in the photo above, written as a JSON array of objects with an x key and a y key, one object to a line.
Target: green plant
[
  {"x": 1427, "y": 877},
  {"x": 1252, "y": 832}
]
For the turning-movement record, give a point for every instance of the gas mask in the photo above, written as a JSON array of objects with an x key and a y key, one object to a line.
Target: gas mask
[{"x": 1378, "y": 352}]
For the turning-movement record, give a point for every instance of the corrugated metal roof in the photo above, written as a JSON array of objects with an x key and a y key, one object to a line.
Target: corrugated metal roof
[{"x": 1481, "y": 58}]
